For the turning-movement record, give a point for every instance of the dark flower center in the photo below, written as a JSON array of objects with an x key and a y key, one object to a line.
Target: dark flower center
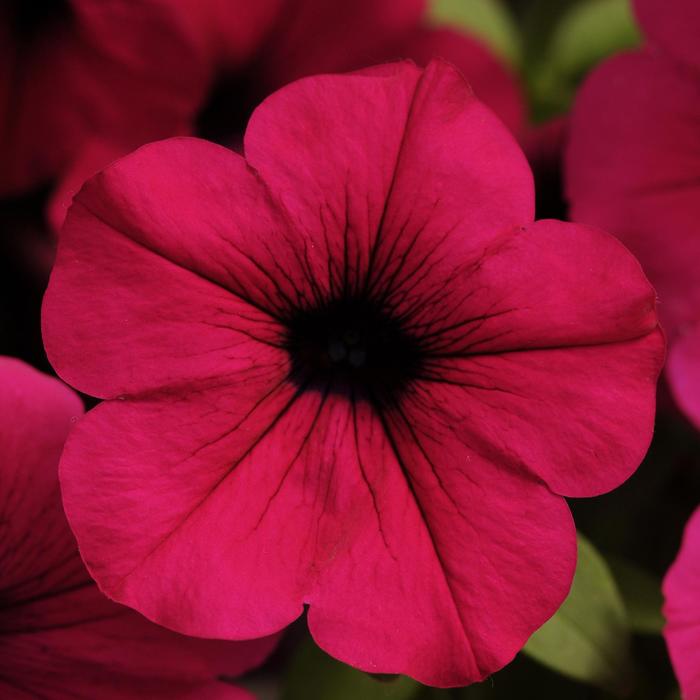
[
  {"x": 29, "y": 18},
  {"x": 224, "y": 116},
  {"x": 352, "y": 346}
]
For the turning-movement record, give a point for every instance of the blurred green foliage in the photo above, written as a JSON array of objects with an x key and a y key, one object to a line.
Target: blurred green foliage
[
  {"x": 588, "y": 638},
  {"x": 552, "y": 44},
  {"x": 641, "y": 594},
  {"x": 562, "y": 53},
  {"x": 490, "y": 20},
  {"x": 313, "y": 675}
]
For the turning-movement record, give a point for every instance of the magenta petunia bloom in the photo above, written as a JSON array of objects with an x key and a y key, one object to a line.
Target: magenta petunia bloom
[
  {"x": 59, "y": 636},
  {"x": 682, "y": 611},
  {"x": 633, "y": 168},
  {"x": 349, "y": 372}
]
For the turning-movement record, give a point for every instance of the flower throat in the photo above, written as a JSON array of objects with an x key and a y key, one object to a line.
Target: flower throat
[
  {"x": 352, "y": 346},
  {"x": 28, "y": 18}
]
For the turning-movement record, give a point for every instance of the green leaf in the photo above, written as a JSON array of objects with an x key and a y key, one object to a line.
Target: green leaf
[
  {"x": 588, "y": 639},
  {"x": 541, "y": 17},
  {"x": 641, "y": 594},
  {"x": 490, "y": 20},
  {"x": 563, "y": 45},
  {"x": 314, "y": 675},
  {"x": 590, "y": 32}
]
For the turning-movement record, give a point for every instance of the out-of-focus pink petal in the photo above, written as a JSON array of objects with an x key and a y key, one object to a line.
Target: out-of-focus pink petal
[
  {"x": 682, "y": 611},
  {"x": 129, "y": 71},
  {"x": 59, "y": 636},
  {"x": 317, "y": 36},
  {"x": 684, "y": 372},
  {"x": 230, "y": 31},
  {"x": 93, "y": 156},
  {"x": 37, "y": 549},
  {"x": 629, "y": 170},
  {"x": 674, "y": 26}
]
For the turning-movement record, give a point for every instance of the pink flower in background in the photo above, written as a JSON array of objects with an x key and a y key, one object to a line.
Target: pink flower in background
[
  {"x": 348, "y": 372},
  {"x": 246, "y": 50},
  {"x": 633, "y": 167},
  {"x": 317, "y": 36},
  {"x": 306, "y": 37},
  {"x": 230, "y": 33},
  {"x": 672, "y": 28},
  {"x": 682, "y": 611},
  {"x": 59, "y": 636},
  {"x": 84, "y": 82},
  {"x": 71, "y": 70}
]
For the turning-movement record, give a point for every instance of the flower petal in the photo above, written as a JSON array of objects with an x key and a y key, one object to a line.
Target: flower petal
[
  {"x": 37, "y": 550},
  {"x": 358, "y": 177},
  {"x": 630, "y": 171},
  {"x": 86, "y": 76},
  {"x": 59, "y": 635},
  {"x": 547, "y": 285},
  {"x": 316, "y": 36},
  {"x": 493, "y": 82},
  {"x": 556, "y": 373},
  {"x": 144, "y": 296},
  {"x": 684, "y": 372},
  {"x": 225, "y": 455},
  {"x": 673, "y": 26},
  {"x": 309, "y": 502},
  {"x": 503, "y": 544},
  {"x": 120, "y": 656},
  {"x": 682, "y": 630},
  {"x": 108, "y": 651},
  {"x": 580, "y": 418}
]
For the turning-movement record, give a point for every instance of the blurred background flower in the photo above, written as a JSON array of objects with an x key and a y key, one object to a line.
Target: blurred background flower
[
  {"x": 633, "y": 168},
  {"x": 60, "y": 637}
]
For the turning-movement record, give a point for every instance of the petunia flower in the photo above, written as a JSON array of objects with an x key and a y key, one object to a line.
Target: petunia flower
[
  {"x": 59, "y": 636},
  {"x": 347, "y": 372},
  {"x": 633, "y": 168},
  {"x": 682, "y": 611}
]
